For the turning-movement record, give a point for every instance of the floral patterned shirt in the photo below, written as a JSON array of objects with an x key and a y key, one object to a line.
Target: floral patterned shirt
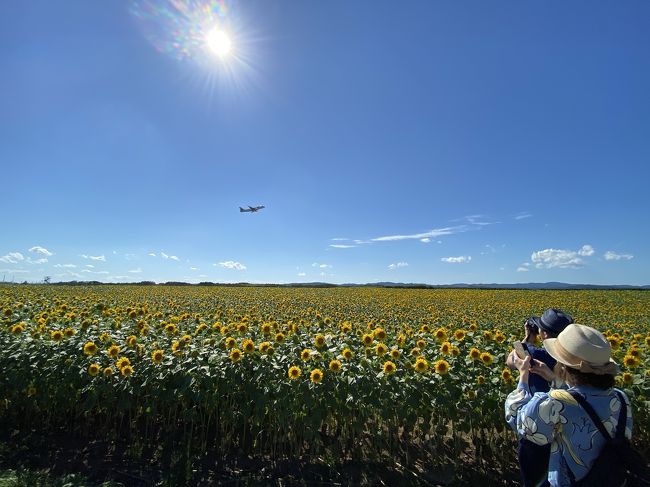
[{"x": 556, "y": 418}]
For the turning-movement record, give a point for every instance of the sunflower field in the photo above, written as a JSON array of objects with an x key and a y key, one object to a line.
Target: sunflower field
[{"x": 407, "y": 377}]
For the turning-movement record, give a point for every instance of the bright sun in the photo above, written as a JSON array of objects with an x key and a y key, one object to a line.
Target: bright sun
[{"x": 218, "y": 42}]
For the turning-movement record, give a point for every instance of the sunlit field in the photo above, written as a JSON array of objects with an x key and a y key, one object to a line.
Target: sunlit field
[{"x": 178, "y": 377}]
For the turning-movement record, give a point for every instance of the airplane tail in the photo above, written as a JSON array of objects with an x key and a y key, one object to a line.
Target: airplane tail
[{"x": 241, "y": 209}]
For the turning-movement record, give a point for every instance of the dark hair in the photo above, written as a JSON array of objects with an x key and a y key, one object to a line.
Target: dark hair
[{"x": 605, "y": 381}]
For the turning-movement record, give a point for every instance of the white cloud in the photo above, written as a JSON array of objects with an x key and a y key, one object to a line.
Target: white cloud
[
  {"x": 40, "y": 250},
  {"x": 119, "y": 277},
  {"x": 229, "y": 264},
  {"x": 152, "y": 254},
  {"x": 12, "y": 258},
  {"x": 136, "y": 271},
  {"x": 90, "y": 266},
  {"x": 130, "y": 256},
  {"x": 398, "y": 264},
  {"x": 436, "y": 232},
  {"x": 94, "y": 257},
  {"x": 340, "y": 239},
  {"x": 302, "y": 274},
  {"x": 15, "y": 271},
  {"x": 586, "y": 251},
  {"x": 457, "y": 260},
  {"x": 609, "y": 255},
  {"x": 522, "y": 269},
  {"x": 71, "y": 266},
  {"x": 173, "y": 257},
  {"x": 321, "y": 266},
  {"x": 563, "y": 259},
  {"x": 522, "y": 216},
  {"x": 342, "y": 246},
  {"x": 94, "y": 272},
  {"x": 193, "y": 269},
  {"x": 425, "y": 240},
  {"x": 37, "y": 261},
  {"x": 165, "y": 256}
]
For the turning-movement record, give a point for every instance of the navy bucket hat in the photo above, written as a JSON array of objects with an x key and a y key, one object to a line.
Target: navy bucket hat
[{"x": 553, "y": 320}]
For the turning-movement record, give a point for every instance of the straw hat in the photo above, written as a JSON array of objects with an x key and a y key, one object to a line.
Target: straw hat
[{"x": 584, "y": 348}]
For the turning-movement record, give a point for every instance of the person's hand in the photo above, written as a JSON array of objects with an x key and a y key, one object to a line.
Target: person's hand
[
  {"x": 540, "y": 368},
  {"x": 530, "y": 333},
  {"x": 522, "y": 365}
]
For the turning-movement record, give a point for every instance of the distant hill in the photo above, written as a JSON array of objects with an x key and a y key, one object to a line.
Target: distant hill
[{"x": 386, "y": 284}]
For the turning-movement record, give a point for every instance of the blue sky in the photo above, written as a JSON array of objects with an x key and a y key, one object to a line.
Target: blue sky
[{"x": 435, "y": 142}]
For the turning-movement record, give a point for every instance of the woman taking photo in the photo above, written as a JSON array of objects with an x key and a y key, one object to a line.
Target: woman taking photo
[{"x": 584, "y": 363}]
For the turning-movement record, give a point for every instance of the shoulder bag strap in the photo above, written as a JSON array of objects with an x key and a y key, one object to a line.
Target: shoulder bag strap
[{"x": 622, "y": 416}]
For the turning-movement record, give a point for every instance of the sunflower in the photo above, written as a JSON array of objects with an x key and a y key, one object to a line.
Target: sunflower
[
  {"x": 471, "y": 395},
  {"x": 279, "y": 337},
  {"x": 266, "y": 328},
  {"x": 488, "y": 335},
  {"x": 248, "y": 345},
  {"x": 235, "y": 355},
  {"x": 171, "y": 328},
  {"x": 347, "y": 354},
  {"x": 19, "y": 328},
  {"x": 113, "y": 351},
  {"x": 635, "y": 352},
  {"x": 627, "y": 378},
  {"x": 381, "y": 349},
  {"x": 242, "y": 327},
  {"x": 445, "y": 348},
  {"x": 316, "y": 376},
  {"x": 415, "y": 352},
  {"x": 69, "y": 332},
  {"x": 379, "y": 334},
  {"x": 486, "y": 358},
  {"x": 473, "y": 327},
  {"x": 480, "y": 380},
  {"x": 441, "y": 367},
  {"x": 230, "y": 342},
  {"x": 367, "y": 339},
  {"x": 56, "y": 335},
  {"x": 455, "y": 351},
  {"x": 474, "y": 353},
  {"x": 425, "y": 329},
  {"x": 506, "y": 375},
  {"x": 335, "y": 365},
  {"x": 319, "y": 341},
  {"x": 499, "y": 337},
  {"x": 421, "y": 343},
  {"x": 395, "y": 353},
  {"x": 200, "y": 328},
  {"x": 157, "y": 356},
  {"x": 294, "y": 372},
  {"x": 389, "y": 368},
  {"x": 459, "y": 335},
  {"x": 31, "y": 391},
  {"x": 93, "y": 369},
  {"x": 122, "y": 362},
  {"x": 421, "y": 365},
  {"x": 90, "y": 348},
  {"x": 305, "y": 354},
  {"x": 186, "y": 339},
  {"x": 104, "y": 337},
  {"x": 131, "y": 341},
  {"x": 126, "y": 371},
  {"x": 264, "y": 347},
  {"x": 401, "y": 339},
  {"x": 630, "y": 361},
  {"x": 346, "y": 327},
  {"x": 440, "y": 334}
]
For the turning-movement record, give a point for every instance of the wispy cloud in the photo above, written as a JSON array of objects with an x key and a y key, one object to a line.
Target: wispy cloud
[
  {"x": 152, "y": 254},
  {"x": 462, "y": 259},
  {"x": 100, "y": 258},
  {"x": 524, "y": 267},
  {"x": 171, "y": 257},
  {"x": 425, "y": 240},
  {"x": 70, "y": 266},
  {"x": 230, "y": 264},
  {"x": 398, "y": 265},
  {"x": 342, "y": 246},
  {"x": 302, "y": 274},
  {"x": 339, "y": 239},
  {"x": 41, "y": 250},
  {"x": 88, "y": 271},
  {"x": 609, "y": 255},
  {"x": 436, "y": 232},
  {"x": 523, "y": 215},
  {"x": 15, "y": 271},
  {"x": 136, "y": 271},
  {"x": 321, "y": 266},
  {"x": 42, "y": 260},
  {"x": 560, "y": 258},
  {"x": 12, "y": 258}
]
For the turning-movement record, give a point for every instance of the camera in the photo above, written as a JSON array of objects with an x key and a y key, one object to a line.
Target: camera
[{"x": 530, "y": 323}]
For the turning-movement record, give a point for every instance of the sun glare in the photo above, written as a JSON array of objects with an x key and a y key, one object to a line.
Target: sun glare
[{"x": 218, "y": 42}]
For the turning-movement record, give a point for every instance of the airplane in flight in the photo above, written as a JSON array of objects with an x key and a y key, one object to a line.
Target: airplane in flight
[{"x": 251, "y": 209}]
